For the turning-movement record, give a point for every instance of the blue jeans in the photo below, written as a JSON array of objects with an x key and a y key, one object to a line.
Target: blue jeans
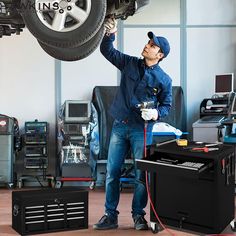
[{"x": 124, "y": 136}]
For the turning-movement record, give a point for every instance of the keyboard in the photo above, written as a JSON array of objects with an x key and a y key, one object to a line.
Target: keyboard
[{"x": 211, "y": 119}]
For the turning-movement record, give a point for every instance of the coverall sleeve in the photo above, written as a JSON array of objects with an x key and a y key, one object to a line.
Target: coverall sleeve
[
  {"x": 116, "y": 57},
  {"x": 165, "y": 100}
]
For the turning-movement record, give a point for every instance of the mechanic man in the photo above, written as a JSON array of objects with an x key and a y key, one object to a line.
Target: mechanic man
[{"x": 142, "y": 80}]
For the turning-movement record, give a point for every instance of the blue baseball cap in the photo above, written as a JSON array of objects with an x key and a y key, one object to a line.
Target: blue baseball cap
[{"x": 161, "y": 42}]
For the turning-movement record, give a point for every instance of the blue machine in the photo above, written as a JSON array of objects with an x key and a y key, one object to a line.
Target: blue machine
[
  {"x": 230, "y": 123},
  {"x": 230, "y": 130}
]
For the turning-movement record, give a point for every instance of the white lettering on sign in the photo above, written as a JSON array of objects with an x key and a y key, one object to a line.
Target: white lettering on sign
[{"x": 3, "y": 123}]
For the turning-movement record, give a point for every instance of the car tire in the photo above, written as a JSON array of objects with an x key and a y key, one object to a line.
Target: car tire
[
  {"x": 67, "y": 31},
  {"x": 76, "y": 53}
]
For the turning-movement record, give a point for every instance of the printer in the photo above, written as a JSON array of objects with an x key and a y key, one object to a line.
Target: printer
[
  {"x": 214, "y": 107},
  {"x": 212, "y": 112}
]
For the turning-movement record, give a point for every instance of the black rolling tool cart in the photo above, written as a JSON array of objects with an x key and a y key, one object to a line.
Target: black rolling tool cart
[
  {"x": 49, "y": 210},
  {"x": 191, "y": 190}
]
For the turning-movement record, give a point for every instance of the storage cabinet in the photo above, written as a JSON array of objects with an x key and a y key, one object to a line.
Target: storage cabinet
[
  {"x": 192, "y": 190},
  {"x": 40, "y": 211}
]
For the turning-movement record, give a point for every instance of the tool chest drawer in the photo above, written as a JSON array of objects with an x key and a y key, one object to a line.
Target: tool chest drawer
[
  {"x": 193, "y": 162},
  {"x": 176, "y": 167},
  {"x": 41, "y": 211}
]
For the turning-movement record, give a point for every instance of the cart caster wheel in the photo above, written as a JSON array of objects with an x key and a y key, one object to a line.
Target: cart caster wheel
[
  {"x": 154, "y": 228},
  {"x": 92, "y": 185},
  {"x": 10, "y": 185},
  {"x": 58, "y": 184},
  {"x": 233, "y": 225}
]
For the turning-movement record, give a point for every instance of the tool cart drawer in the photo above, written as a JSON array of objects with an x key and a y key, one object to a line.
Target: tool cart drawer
[
  {"x": 176, "y": 166},
  {"x": 50, "y": 210}
]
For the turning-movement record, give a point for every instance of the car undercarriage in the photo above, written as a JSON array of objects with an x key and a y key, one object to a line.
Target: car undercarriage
[{"x": 64, "y": 26}]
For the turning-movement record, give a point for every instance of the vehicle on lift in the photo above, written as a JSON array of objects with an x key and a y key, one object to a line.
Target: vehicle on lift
[{"x": 66, "y": 29}]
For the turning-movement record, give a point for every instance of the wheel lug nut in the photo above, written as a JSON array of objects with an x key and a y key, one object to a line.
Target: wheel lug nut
[
  {"x": 69, "y": 8},
  {"x": 61, "y": 11}
]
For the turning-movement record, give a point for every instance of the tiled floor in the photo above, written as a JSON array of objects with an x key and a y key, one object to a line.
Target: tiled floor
[{"x": 96, "y": 208}]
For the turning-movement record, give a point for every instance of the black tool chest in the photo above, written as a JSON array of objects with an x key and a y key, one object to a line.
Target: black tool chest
[
  {"x": 42, "y": 211},
  {"x": 191, "y": 190}
]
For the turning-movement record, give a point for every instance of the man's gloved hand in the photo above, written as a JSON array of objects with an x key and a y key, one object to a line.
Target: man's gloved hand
[
  {"x": 110, "y": 25},
  {"x": 149, "y": 114}
]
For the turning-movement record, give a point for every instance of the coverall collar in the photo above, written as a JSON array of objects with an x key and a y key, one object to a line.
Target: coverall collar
[{"x": 146, "y": 66}]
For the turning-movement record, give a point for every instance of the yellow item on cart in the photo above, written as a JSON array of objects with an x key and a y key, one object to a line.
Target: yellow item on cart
[{"x": 182, "y": 142}]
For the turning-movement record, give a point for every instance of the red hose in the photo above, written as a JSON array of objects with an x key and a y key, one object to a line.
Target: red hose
[
  {"x": 147, "y": 184},
  {"x": 153, "y": 208},
  {"x": 145, "y": 139}
]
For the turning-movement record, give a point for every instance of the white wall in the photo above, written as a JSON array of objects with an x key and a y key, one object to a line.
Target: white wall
[
  {"x": 26, "y": 80},
  {"x": 157, "y": 12},
  {"x": 80, "y": 77},
  {"x": 217, "y": 43},
  {"x": 211, "y": 12},
  {"x": 27, "y": 85},
  {"x": 211, "y": 48}
]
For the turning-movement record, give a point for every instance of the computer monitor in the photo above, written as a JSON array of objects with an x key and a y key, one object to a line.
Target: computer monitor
[
  {"x": 224, "y": 84},
  {"x": 77, "y": 111}
]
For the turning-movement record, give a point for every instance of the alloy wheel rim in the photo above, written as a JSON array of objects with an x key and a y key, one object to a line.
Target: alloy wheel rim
[{"x": 63, "y": 15}]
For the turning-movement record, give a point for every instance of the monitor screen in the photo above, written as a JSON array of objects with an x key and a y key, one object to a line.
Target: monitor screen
[
  {"x": 224, "y": 84},
  {"x": 77, "y": 111}
]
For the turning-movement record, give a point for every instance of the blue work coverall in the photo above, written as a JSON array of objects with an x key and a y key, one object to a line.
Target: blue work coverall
[{"x": 139, "y": 83}]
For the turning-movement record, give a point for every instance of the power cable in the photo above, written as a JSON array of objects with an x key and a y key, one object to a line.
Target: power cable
[{"x": 147, "y": 183}]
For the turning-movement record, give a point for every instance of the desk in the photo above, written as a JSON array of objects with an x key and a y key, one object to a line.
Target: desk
[{"x": 201, "y": 199}]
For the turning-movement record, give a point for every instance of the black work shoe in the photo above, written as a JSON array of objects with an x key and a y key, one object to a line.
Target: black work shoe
[
  {"x": 140, "y": 223},
  {"x": 106, "y": 222}
]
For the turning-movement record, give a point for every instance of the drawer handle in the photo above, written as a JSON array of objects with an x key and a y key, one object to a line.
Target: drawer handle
[{"x": 15, "y": 210}]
